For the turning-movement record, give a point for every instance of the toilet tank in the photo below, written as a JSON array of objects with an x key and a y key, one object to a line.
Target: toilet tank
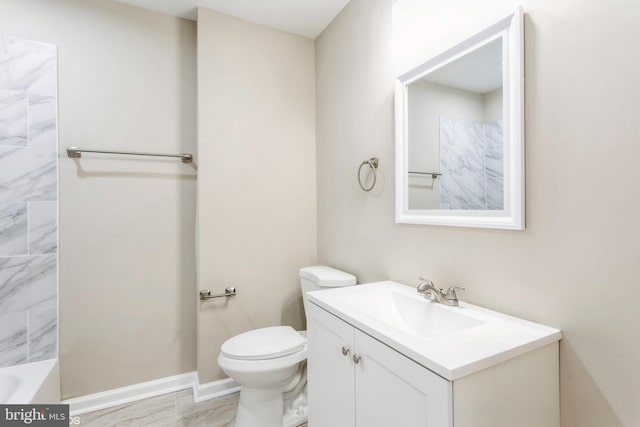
[{"x": 322, "y": 277}]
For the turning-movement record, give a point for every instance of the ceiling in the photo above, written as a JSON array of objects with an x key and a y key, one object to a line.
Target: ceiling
[
  {"x": 479, "y": 71},
  {"x": 304, "y": 17}
]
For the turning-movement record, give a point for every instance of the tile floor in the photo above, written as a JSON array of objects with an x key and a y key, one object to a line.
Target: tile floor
[{"x": 173, "y": 409}]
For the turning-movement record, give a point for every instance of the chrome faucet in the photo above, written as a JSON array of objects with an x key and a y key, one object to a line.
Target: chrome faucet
[{"x": 430, "y": 292}]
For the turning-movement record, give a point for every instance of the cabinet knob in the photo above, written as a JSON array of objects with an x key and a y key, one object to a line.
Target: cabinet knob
[
  {"x": 356, "y": 359},
  {"x": 345, "y": 350}
]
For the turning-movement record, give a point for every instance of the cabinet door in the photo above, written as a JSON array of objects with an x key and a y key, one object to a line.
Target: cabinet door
[
  {"x": 393, "y": 390},
  {"x": 330, "y": 372}
]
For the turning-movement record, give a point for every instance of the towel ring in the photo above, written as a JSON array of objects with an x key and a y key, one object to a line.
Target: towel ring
[{"x": 373, "y": 164}]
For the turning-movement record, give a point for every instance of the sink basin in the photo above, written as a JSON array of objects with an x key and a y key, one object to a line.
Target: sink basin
[
  {"x": 413, "y": 315},
  {"x": 450, "y": 341}
]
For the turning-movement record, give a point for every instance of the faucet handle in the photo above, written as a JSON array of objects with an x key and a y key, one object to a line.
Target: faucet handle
[
  {"x": 452, "y": 297},
  {"x": 424, "y": 283}
]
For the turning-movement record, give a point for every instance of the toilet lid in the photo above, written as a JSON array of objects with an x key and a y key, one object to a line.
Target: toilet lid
[{"x": 264, "y": 343}]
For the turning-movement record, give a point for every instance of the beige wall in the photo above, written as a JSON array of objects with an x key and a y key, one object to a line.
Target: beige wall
[
  {"x": 427, "y": 103},
  {"x": 127, "y": 269},
  {"x": 576, "y": 265},
  {"x": 492, "y": 105},
  {"x": 256, "y": 180}
]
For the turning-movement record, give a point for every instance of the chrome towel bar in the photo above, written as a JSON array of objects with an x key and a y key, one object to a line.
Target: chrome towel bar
[
  {"x": 434, "y": 175},
  {"x": 228, "y": 292},
  {"x": 75, "y": 152}
]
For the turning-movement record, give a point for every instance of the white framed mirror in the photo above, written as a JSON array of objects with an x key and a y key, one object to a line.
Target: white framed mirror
[{"x": 460, "y": 133}]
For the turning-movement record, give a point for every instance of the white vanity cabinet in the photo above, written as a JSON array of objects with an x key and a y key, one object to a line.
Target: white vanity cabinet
[
  {"x": 381, "y": 387},
  {"x": 355, "y": 380}
]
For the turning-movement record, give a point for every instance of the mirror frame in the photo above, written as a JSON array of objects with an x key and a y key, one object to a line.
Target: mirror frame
[{"x": 510, "y": 29}]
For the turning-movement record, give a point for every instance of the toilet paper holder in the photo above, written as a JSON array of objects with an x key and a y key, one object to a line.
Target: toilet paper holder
[{"x": 228, "y": 292}]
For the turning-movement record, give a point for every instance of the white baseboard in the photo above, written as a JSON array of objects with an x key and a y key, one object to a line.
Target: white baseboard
[
  {"x": 135, "y": 392},
  {"x": 132, "y": 393},
  {"x": 202, "y": 392}
]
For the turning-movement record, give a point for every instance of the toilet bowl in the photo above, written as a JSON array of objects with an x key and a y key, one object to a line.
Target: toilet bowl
[{"x": 270, "y": 363}]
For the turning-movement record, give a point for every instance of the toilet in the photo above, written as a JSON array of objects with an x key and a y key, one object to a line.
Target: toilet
[{"x": 270, "y": 363}]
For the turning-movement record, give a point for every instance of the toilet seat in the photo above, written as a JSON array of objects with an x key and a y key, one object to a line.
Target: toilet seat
[
  {"x": 258, "y": 366},
  {"x": 264, "y": 344}
]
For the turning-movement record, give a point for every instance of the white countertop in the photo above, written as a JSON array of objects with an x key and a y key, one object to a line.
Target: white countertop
[{"x": 460, "y": 340}]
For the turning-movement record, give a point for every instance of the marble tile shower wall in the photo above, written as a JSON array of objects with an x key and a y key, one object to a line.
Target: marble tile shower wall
[
  {"x": 28, "y": 201},
  {"x": 471, "y": 165}
]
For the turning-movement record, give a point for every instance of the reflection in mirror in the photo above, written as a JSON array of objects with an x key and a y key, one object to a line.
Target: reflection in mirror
[{"x": 455, "y": 142}]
